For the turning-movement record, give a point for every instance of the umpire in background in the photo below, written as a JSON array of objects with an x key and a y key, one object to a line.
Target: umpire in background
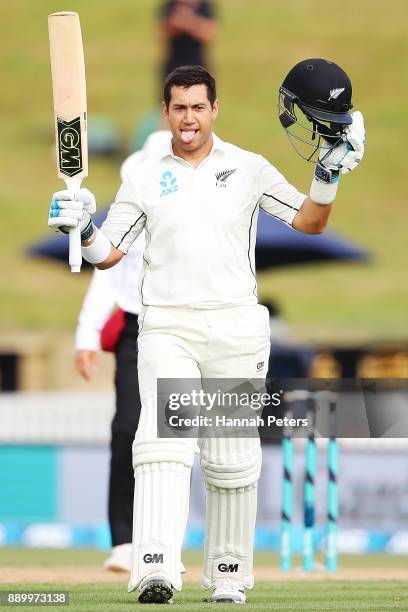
[
  {"x": 186, "y": 28},
  {"x": 110, "y": 288},
  {"x": 117, "y": 333}
]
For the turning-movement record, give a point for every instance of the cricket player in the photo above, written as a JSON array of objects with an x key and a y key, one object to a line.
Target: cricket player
[{"x": 198, "y": 200}]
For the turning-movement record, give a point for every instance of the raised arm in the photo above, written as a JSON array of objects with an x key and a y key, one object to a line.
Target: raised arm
[
  {"x": 310, "y": 214},
  {"x": 332, "y": 162},
  {"x": 311, "y": 218},
  {"x": 105, "y": 247}
]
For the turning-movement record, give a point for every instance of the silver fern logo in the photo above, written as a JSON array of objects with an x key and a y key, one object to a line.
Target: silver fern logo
[
  {"x": 223, "y": 176},
  {"x": 334, "y": 93}
]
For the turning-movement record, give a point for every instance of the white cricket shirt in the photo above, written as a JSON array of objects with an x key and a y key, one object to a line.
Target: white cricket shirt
[{"x": 200, "y": 223}]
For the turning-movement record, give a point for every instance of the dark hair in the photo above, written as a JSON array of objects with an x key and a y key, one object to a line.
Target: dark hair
[{"x": 186, "y": 76}]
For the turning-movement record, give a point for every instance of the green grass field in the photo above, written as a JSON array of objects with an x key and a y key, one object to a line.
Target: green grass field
[
  {"x": 259, "y": 41},
  {"x": 314, "y": 596},
  {"x": 299, "y": 593}
]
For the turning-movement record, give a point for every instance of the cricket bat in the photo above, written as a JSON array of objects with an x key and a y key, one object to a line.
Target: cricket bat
[{"x": 69, "y": 93}]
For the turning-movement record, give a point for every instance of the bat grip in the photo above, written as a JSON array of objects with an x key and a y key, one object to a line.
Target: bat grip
[{"x": 75, "y": 254}]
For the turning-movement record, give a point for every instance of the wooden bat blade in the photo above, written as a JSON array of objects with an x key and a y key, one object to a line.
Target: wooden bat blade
[{"x": 69, "y": 92}]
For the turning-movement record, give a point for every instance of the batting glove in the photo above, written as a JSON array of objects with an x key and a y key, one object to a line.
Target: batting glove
[
  {"x": 68, "y": 210},
  {"x": 345, "y": 156}
]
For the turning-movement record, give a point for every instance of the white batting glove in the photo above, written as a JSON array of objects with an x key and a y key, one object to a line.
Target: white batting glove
[
  {"x": 349, "y": 153},
  {"x": 343, "y": 158},
  {"x": 67, "y": 211}
]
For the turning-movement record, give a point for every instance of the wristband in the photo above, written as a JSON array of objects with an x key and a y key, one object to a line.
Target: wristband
[
  {"x": 99, "y": 250},
  {"x": 88, "y": 231},
  {"x": 325, "y": 175},
  {"x": 324, "y": 185}
]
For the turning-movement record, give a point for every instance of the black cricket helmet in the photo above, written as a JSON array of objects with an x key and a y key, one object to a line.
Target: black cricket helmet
[{"x": 321, "y": 90}]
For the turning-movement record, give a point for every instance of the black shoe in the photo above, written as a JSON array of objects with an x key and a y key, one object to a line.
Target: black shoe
[{"x": 156, "y": 591}]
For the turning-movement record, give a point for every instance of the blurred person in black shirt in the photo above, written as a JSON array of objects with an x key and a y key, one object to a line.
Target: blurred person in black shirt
[{"x": 186, "y": 27}]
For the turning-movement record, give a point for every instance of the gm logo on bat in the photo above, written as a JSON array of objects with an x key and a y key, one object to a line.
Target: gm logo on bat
[{"x": 69, "y": 146}]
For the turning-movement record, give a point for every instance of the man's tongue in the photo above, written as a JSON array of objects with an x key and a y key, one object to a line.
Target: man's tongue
[{"x": 187, "y": 136}]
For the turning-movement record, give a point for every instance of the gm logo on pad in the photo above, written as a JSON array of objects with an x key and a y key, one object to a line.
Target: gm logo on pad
[
  {"x": 155, "y": 558},
  {"x": 228, "y": 567}
]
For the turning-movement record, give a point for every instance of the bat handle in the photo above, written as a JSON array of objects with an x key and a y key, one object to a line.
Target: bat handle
[{"x": 75, "y": 254}]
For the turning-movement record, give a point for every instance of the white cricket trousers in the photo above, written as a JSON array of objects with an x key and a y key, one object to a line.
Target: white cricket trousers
[{"x": 185, "y": 343}]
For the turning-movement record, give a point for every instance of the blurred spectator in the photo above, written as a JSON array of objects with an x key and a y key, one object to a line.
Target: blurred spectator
[{"x": 186, "y": 27}]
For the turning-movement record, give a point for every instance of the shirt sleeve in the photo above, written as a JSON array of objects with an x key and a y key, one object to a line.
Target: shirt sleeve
[
  {"x": 125, "y": 220},
  {"x": 98, "y": 304},
  {"x": 277, "y": 197}
]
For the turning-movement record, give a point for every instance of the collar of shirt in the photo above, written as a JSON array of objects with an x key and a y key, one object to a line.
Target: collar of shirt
[{"x": 167, "y": 149}]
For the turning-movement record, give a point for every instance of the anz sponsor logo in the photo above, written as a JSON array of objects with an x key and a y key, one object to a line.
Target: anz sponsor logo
[
  {"x": 228, "y": 567},
  {"x": 168, "y": 184},
  {"x": 155, "y": 558}
]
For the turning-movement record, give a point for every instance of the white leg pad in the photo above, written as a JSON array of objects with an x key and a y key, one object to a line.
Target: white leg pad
[
  {"x": 231, "y": 462},
  {"x": 231, "y": 470},
  {"x": 162, "y": 488}
]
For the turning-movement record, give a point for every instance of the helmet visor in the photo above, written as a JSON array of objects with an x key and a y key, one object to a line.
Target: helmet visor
[{"x": 342, "y": 118}]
